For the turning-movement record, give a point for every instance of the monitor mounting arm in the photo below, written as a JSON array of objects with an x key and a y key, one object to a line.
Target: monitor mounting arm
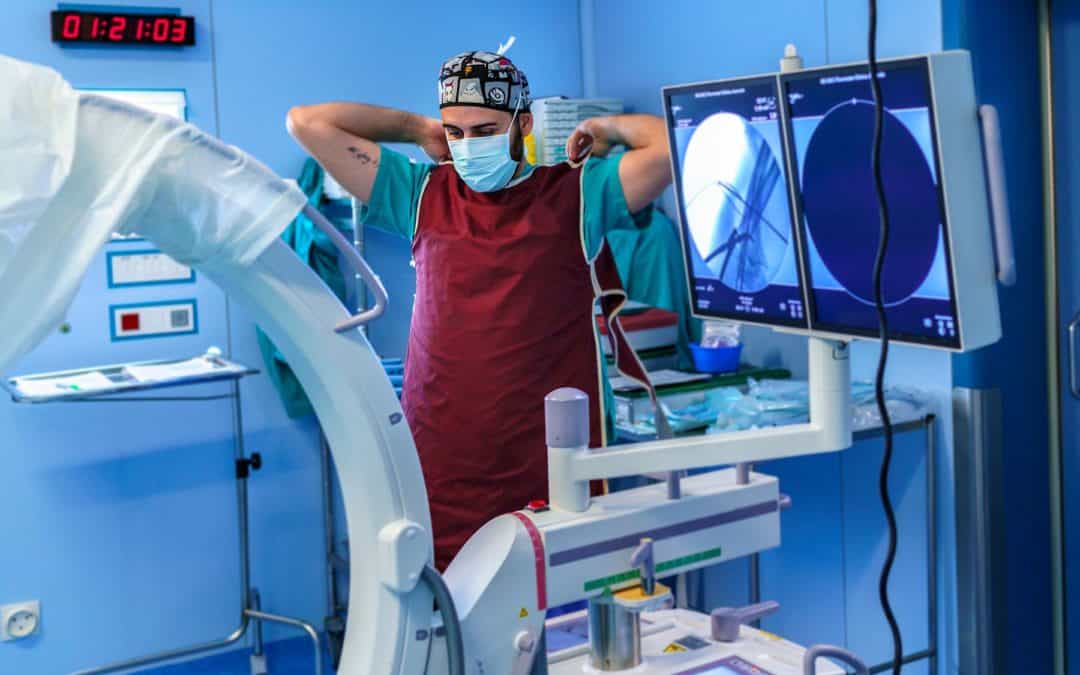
[{"x": 829, "y": 430}]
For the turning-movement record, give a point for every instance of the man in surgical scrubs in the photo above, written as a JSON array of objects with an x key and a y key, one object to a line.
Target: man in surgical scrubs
[{"x": 510, "y": 259}]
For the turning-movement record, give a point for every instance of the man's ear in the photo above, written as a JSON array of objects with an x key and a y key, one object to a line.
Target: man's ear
[{"x": 525, "y": 120}]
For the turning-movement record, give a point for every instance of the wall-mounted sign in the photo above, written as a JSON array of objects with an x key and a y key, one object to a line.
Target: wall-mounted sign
[{"x": 171, "y": 102}]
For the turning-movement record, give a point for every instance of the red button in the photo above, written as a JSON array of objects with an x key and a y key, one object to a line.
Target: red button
[
  {"x": 129, "y": 322},
  {"x": 537, "y": 505}
]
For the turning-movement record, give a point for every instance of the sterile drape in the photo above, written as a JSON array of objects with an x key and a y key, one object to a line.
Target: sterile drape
[{"x": 75, "y": 168}]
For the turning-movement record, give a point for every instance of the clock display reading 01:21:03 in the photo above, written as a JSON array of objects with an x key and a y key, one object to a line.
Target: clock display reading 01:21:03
[{"x": 100, "y": 27}]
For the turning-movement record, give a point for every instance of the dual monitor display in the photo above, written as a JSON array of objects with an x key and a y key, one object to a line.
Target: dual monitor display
[{"x": 777, "y": 205}]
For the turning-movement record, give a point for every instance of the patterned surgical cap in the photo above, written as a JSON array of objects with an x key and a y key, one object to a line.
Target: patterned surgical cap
[{"x": 483, "y": 79}]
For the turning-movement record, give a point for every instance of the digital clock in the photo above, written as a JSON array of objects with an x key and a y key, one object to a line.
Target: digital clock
[{"x": 112, "y": 28}]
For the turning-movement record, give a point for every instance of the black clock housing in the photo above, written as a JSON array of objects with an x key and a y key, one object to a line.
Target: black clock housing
[{"x": 157, "y": 30}]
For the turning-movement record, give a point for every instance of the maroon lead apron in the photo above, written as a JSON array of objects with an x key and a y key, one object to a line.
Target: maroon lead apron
[{"x": 503, "y": 316}]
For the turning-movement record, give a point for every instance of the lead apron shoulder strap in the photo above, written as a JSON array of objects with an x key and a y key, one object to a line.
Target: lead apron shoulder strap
[{"x": 613, "y": 297}]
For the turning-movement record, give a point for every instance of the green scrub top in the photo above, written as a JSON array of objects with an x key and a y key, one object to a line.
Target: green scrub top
[
  {"x": 395, "y": 199},
  {"x": 650, "y": 262},
  {"x": 315, "y": 249}
]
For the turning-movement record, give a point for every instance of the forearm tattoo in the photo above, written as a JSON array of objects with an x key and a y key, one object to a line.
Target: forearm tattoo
[{"x": 361, "y": 156}]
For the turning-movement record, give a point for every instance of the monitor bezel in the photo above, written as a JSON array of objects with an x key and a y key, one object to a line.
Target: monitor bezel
[
  {"x": 823, "y": 328},
  {"x": 787, "y": 325}
]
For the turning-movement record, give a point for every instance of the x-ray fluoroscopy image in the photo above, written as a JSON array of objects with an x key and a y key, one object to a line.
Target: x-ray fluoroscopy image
[{"x": 736, "y": 209}]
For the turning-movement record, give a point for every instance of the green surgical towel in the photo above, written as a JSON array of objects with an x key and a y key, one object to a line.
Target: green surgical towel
[
  {"x": 315, "y": 249},
  {"x": 650, "y": 261}
]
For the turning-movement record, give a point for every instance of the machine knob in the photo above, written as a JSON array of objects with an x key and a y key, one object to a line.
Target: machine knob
[
  {"x": 524, "y": 642},
  {"x": 727, "y": 620}
]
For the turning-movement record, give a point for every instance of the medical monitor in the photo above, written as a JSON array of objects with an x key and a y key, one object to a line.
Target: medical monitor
[
  {"x": 778, "y": 211},
  {"x": 938, "y": 279},
  {"x": 731, "y": 186}
]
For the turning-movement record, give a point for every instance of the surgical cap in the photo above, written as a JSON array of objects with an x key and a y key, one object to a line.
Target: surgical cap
[{"x": 483, "y": 79}]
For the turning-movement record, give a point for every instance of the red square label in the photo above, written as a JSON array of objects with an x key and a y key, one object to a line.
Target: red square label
[{"x": 129, "y": 322}]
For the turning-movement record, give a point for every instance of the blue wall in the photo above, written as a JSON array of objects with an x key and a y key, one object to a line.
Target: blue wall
[
  {"x": 631, "y": 49},
  {"x": 1006, "y": 75},
  {"x": 128, "y": 535}
]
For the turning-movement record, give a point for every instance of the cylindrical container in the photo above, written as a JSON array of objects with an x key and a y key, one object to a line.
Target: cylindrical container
[
  {"x": 614, "y": 636},
  {"x": 722, "y": 359}
]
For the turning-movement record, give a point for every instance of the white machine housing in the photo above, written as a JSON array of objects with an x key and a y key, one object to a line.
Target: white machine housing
[
  {"x": 519, "y": 565},
  {"x": 713, "y": 521}
]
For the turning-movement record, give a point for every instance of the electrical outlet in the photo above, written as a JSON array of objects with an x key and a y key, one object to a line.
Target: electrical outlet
[{"x": 19, "y": 620}]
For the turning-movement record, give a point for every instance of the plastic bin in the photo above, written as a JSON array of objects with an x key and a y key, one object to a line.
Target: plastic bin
[{"x": 716, "y": 359}]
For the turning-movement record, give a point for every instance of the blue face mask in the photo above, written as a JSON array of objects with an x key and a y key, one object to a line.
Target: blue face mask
[{"x": 484, "y": 163}]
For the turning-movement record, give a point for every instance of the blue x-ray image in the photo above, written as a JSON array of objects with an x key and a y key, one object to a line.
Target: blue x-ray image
[
  {"x": 830, "y": 130},
  {"x": 736, "y": 206},
  {"x": 841, "y": 209},
  {"x": 735, "y": 210}
]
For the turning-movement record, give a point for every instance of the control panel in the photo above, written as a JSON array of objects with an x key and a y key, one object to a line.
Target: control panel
[
  {"x": 153, "y": 319},
  {"x": 680, "y": 642}
]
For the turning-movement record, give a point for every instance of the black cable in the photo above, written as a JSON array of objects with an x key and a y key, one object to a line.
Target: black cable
[
  {"x": 883, "y": 326},
  {"x": 455, "y": 643}
]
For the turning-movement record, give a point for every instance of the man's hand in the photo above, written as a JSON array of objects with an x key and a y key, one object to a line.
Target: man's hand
[
  {"x": 588, "y": 138},
  {"x": 644, "y": 170},
  {"x": 432, "y": 140}
]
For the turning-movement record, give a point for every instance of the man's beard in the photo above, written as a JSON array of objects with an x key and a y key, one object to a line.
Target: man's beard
[{"x": 517, "y": 142}]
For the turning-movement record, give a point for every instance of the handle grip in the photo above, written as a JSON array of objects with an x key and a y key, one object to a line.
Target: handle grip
[
  {"x": 359, "y": 265},
  {"x": 1074, "y": 384},
  {"x": 999, "y": 194},
  {"x": 839, "y": 653},
  {"x": 727, "y": 620}
]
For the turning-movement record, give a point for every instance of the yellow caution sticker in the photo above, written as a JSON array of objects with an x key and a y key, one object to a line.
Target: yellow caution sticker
[
  {"x": 523, "y": 613},
  {"x": 674, "y": 647}
]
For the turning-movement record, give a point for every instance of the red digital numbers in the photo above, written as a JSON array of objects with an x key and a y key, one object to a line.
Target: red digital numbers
[
  {"x": 179, "y": 31},
  {"x": 72, "y": 27},
  {"x": 116, "y": 30},
  {"x": 161, "y": 30},
  {"x": 101, "y": 27}
]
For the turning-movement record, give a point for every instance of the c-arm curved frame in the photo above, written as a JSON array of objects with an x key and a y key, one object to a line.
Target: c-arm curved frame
[{"x": 370, "y": 443}]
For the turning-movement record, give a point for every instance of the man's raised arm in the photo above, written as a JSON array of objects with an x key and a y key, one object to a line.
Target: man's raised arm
[
  {"x": 645, "y": 169},
  {"x": 344, "y": 138}
]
